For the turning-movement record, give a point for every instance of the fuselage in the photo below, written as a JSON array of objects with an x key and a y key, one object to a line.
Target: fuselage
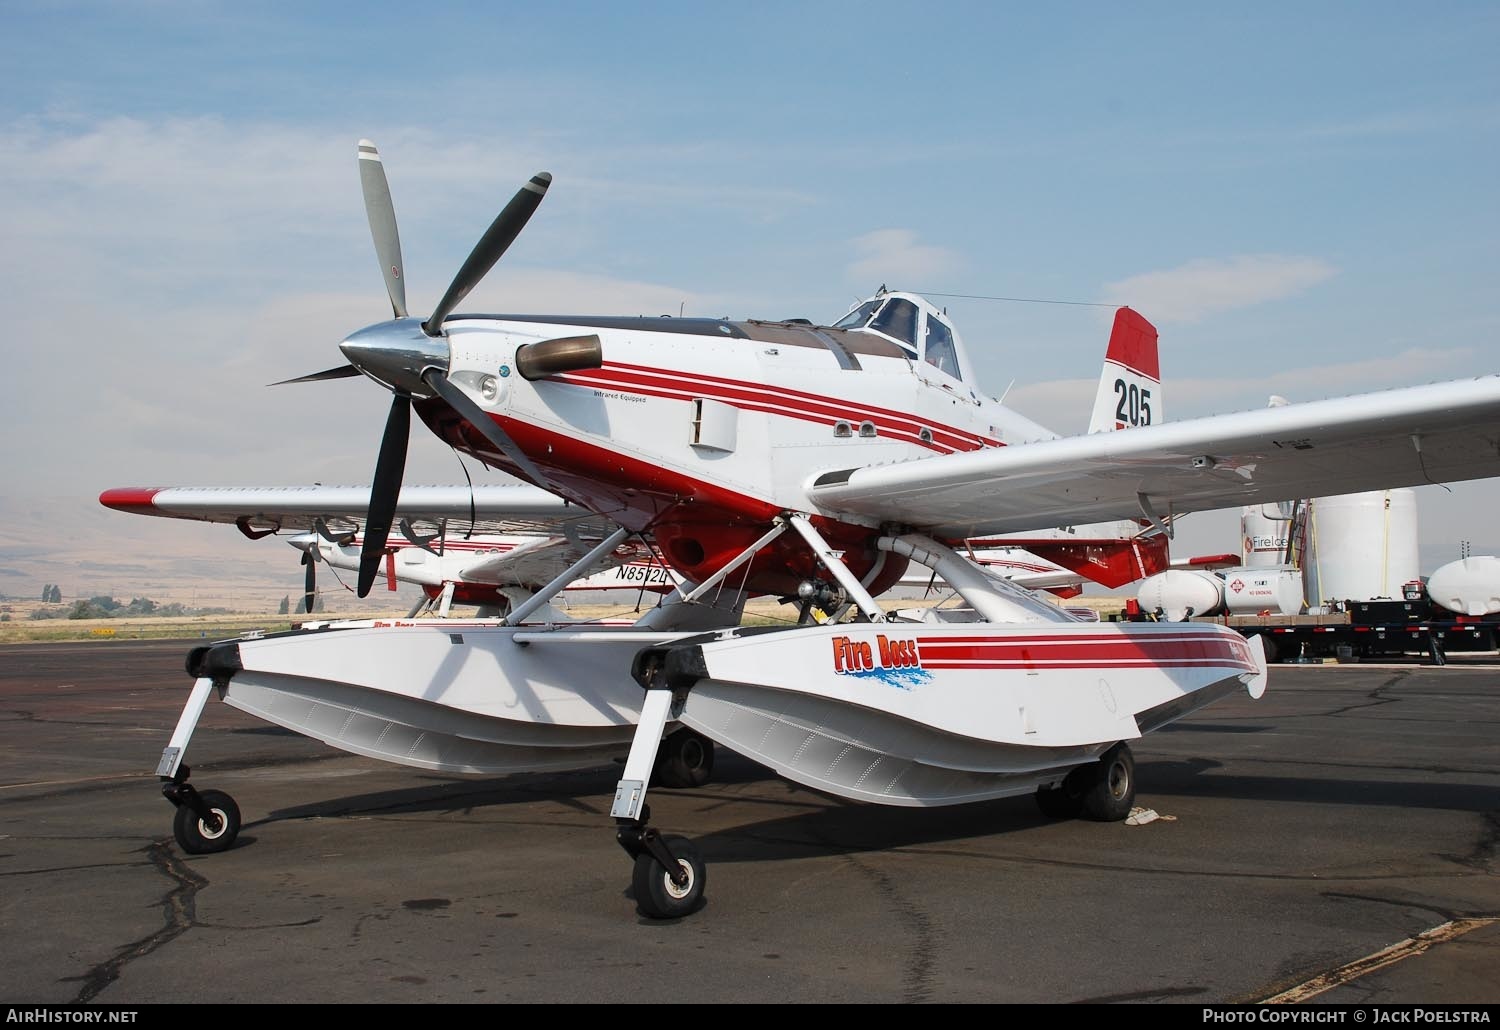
[{"x": 700, "y": 431}]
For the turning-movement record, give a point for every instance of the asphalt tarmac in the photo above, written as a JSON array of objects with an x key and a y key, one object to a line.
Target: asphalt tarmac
[{"x": 1351, "y": 810}]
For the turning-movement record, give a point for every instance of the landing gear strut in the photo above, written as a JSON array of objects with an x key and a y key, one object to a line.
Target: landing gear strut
[{"x": 669, "y": 874}]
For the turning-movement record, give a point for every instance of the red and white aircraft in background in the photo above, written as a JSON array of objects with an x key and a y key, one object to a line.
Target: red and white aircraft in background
[
  {"x": 784, "y": 457},
  {"x": 491, "y": 546}
]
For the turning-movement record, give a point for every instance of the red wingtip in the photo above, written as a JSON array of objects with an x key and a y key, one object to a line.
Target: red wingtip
[
  {"x": 134, "y": 499},
  {"x": 1132, "y": 343}
]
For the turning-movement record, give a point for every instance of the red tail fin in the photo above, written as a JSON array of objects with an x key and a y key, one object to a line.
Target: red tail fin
[{"x": 1130, "y": 385}]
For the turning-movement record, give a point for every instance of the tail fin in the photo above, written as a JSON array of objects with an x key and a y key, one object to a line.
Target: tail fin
[{"x": 1130, "y": 386}]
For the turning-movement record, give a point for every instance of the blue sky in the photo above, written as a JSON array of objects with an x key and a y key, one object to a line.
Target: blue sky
[{"x": 1300, "y": 196}]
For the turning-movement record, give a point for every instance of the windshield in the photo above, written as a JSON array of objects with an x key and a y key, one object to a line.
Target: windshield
[
  {"x": 898, "y": 320},
  {"x": 857, "y": 318}
]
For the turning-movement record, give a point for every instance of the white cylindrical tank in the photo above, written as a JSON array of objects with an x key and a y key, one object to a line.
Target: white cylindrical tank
[
  {"x": 1361, "y": 546},
  {"x": 1469, "y": 586},
  {"x": 1275, "y": 591},
  {"x": 1177, "y": 593},
  {"x": 1263, "y": 535}
]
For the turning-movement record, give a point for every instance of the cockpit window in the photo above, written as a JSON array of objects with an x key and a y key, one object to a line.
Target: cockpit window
[
  {"x": 857, "y": 318},
  {"x": 939, "y": 350},
  {"x": 898, "y": 320}
]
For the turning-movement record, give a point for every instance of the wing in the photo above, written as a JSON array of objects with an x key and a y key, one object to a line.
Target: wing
[
  {"x": 261, "y": 510},
  {"x": 1425, "y": 434},
  {"x": 503, "y": 561}
]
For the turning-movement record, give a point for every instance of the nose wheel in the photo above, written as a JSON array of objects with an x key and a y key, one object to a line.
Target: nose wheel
[
  {"x": 669, "y": 874},
  {"x": 206, "y": 821}
]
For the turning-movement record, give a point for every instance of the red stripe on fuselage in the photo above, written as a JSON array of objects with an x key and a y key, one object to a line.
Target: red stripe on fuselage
[
  {"x": 700, "y": 525},
  {"x": 777, "y": 401}
]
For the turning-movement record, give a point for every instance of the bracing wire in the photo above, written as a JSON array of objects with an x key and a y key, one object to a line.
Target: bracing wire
[{"x": 1021, "y": 300}]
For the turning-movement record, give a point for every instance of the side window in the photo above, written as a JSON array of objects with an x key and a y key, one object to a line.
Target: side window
[
  {"x": 898, "y": 320},
  {"x": 938, "y": 349}
]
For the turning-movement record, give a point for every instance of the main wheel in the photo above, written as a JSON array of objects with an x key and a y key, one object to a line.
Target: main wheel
[
  {"x": 686, "y": 759},
  {"x": 197, "y": 836},
  {"x": 1110, "y": 794},
  {"x": 1059, "y": 802},
  {"x": 1269, "y": 643},
  {"x": 656, "y": 896}
]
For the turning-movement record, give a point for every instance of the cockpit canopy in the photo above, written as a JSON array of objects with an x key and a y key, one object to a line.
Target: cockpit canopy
[{"x": 912, "y": 323}]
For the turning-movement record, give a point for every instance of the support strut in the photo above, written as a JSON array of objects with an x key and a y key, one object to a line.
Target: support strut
[
  {"x": 579, "y": 568},
  {"x": 835, "y": 565}
]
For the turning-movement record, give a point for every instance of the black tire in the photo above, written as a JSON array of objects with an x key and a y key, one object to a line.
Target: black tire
[
  {"x": 1110, "y": 794},
  {"x": 1269, "y": 643},
  {"x": 686, "y": 759},
  {"x": 1059, "y": 802},
  {"x": 197, "y": 837},
  {"x": 656, "y": 896}
]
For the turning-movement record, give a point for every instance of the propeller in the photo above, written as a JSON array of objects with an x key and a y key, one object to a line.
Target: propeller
[
  {"x": 307, "y": 543},
  {"x": 385, "y": 491},
  {"x": 382, "y": 215},
  {"x": 309, "y": 581},
  {"x": 342, "y": 372},
  {"x": 495, "y": 241},
  {"x": 407, "y": 361},
  {"x": 476, "y": 417}
]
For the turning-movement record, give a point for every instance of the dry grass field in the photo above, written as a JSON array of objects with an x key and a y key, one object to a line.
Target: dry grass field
[{"x": 21, "y": 628}]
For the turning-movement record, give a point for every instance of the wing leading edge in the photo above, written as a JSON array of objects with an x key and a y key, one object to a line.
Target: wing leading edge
[
  {"x": 1444, "y": 432},
  {"x": 494, "y": 509}
]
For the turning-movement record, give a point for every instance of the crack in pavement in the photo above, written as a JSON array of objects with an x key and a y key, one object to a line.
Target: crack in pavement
[
  {"x": 69, "y": 868},
  {"x": 916, "y": 982},
  {"x": 1446, "y": 914},
  {"x": 1053, "y": 862},
  {"x": 179, "y": 911},
  {"x": 1159, "y": 994}
]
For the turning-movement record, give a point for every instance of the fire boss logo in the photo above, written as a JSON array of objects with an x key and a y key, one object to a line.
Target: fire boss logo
[{"x": 858, "y": 656}]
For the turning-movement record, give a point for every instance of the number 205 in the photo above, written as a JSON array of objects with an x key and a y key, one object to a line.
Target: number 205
[{"x": 1134, "y": 407}]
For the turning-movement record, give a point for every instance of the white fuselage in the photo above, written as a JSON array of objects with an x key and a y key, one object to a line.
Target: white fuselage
[{"x": 702, "y": 436}]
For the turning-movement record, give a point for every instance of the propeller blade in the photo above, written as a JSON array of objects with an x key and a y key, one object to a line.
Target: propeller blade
[
  {"x": 342, "y": 372},
  {"x": 309, "y": 582},
  {"x": 385, "y": 491},
  {"x": 382, "y": 216},
  {"x": 496, "y": 239},
  {"x": 342, "y": 539},
  {"x": 480, "y": 420}
]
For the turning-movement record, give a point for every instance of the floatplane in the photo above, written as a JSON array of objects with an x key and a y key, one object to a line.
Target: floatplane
[{"x": 806, "y": 461}]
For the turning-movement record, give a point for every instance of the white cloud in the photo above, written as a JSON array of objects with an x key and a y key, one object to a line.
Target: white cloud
[
  {"x": 1194, "y": 397},
  {"x": 895, "y": 257},
  {"x": 1206, "y": 286},
  {"x": 1063, "y": 405}
]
